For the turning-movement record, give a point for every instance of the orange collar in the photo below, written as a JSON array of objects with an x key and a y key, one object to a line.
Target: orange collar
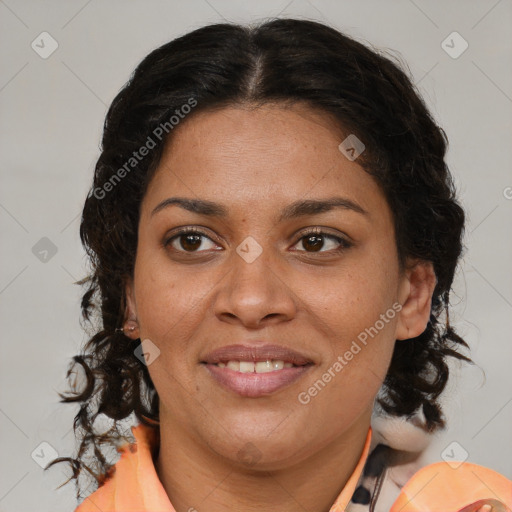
[{"x": 135, "y": 486}]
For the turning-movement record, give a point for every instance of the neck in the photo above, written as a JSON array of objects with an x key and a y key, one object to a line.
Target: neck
[{"x": 196, "y": 478}]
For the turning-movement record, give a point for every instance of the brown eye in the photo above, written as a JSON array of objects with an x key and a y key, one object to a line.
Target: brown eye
[
  {"x": 188, "y": 240},
  {"x": 319, "y": 241},
  {"x": 314, "y": 242}
]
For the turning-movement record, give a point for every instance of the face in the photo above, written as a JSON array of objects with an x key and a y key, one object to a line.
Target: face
[{"x": 257, "y": 272}]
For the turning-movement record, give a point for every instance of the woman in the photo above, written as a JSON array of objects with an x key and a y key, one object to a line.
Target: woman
[{"x": 273, "y": 234}]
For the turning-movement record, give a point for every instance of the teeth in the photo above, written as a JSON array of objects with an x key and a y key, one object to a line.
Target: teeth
[
  {"x": 263, "y": 366},
  {"x": 234, "y": 365},
  {"x": 278, "y": 365},
  {"x": 246, "y": 366},
  {"x": 258, "y": 367}
]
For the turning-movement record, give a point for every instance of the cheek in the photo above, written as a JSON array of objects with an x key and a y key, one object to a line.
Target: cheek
[
  {"x": 355, "y": 311},
  {"x": 362, "y": 338},
  {"x": 352, "y": 301},
  {"x": 169, "y": 300},
  {"x": 158, "y": 304}
]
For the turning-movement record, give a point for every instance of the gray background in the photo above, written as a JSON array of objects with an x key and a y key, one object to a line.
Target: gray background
[{"x": 52, "y": 112}]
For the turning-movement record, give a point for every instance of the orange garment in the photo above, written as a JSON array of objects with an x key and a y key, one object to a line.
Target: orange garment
[
  {"x": 439, "y": 487},
  {"x": 134, "y": 485}
]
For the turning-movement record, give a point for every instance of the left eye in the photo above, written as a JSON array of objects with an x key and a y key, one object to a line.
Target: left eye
[{"x": 316, "y": 241}]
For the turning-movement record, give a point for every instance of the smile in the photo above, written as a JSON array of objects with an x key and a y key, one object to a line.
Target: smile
[
  {"x": 256, "y": 367},
  {"x": 255, "y": 379}
]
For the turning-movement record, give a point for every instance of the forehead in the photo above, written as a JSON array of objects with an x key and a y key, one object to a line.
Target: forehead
[
  {"x": 249, "y": 128},
  {"x": 248, "y": 157}
]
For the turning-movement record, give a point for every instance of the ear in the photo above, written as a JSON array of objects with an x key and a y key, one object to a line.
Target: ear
[
  {"x": 130, "y": 323},
  {"x": 415, "y": 295}
]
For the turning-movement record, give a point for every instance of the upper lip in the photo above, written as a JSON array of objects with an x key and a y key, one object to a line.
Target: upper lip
[{"x": 256, "y": 353}]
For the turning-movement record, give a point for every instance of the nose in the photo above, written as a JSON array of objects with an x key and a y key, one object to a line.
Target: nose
[{"x": 255, "y": 293}]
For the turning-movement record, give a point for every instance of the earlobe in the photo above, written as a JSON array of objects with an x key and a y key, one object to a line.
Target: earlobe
[
  {"x": 130, "y": 326},
  {"x": 419, "y": 282}
]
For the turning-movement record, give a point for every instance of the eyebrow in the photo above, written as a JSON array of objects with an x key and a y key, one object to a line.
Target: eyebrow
[{"x": 297, "y": 209}]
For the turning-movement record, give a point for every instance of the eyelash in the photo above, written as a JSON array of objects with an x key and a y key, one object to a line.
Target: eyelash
[{"x": 344, "y": 244}]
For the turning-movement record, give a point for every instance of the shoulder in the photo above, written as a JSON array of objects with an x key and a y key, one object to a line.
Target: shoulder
[
  {"x": 455, "y": 487},
  {"x": 452, "y": 486},
  {"x": 132, "y": 482}
]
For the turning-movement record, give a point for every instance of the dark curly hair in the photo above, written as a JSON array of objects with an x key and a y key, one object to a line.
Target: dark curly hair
[{"x": 285, "y": 61}]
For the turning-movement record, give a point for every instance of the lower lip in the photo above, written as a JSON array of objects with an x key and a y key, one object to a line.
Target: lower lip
[{"x": 254, "y": 384}]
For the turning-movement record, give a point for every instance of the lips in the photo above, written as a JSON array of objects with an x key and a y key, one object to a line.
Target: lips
[
  {"x": 255, "y": 354},
  {"x": 287, "y": 366}
]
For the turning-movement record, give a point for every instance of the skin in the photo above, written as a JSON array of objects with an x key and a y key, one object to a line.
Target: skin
[{"x": 255, "y": 162}]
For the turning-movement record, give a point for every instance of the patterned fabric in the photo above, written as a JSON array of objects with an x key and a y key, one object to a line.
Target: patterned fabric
[
  {"x": 438, "y": 487},
  {"x": 370, "y": 483}
]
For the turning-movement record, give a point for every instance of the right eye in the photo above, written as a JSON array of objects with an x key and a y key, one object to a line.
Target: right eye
[{"x": 187, "y": 240}]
